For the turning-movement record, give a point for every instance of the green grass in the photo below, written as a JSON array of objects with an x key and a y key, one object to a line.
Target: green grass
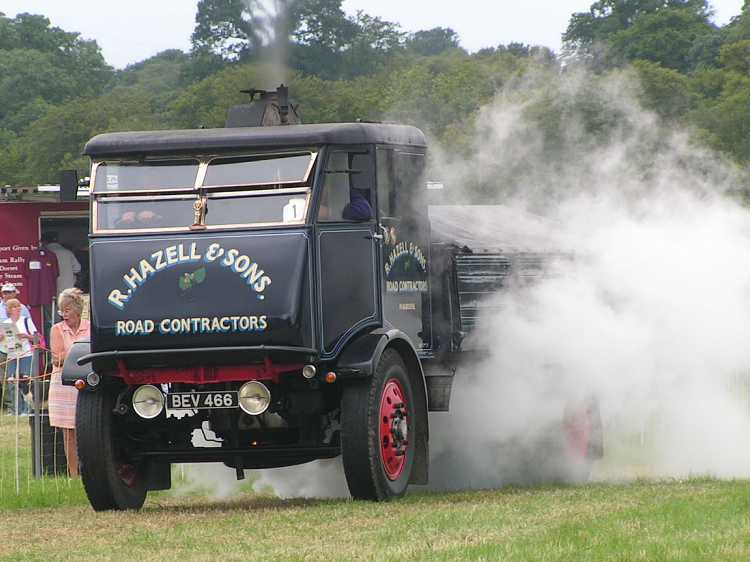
[
  {"x": 693, "y": 520},
  {"x": 698, "y": 519},
  {"x": 45, "y": 492}
]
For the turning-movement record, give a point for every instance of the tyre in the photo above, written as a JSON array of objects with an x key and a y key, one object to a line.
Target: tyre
[
  {"x": 110, "y": 480},
  {"x": 377, "y": 418},
  {"x": 575, "y": 446}
]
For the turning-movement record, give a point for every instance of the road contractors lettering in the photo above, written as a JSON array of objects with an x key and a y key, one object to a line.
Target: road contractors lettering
[
  {"x": 202, "y": 325},
  {"x": 407, "y": 286},
  {"x": 183, "y": 254}
]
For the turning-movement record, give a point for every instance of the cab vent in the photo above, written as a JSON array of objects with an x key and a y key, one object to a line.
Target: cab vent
[{"x": 266, "y": 109}]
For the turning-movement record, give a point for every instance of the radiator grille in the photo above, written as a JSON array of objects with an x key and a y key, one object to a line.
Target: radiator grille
[{"x": 478, "y": 276}]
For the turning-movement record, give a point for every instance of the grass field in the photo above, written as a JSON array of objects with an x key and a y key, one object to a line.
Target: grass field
[{"x": 698, "y": 519}]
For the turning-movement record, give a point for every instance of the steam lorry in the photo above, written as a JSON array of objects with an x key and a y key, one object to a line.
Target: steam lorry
[{"x": 276, "y": 288}]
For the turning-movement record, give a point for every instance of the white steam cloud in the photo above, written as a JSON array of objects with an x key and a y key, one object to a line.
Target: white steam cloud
[
  {"x": 319, "y": 479},
  {"x": 269, "y": 21},
  {"x": 650, "y": 316}
]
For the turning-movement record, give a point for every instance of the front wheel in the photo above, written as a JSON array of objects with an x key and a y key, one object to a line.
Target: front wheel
[
  {"x": 111, "y": 481},
  {"x": 377, "y": 419}
]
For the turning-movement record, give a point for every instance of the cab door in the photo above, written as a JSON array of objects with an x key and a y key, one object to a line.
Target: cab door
[
  {"x": 404, "y": 265},
  {"x": 347, "y": 240}
]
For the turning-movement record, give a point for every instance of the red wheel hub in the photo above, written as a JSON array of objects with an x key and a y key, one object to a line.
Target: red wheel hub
[
  {"x": 394, "y": 429},
  {"x": 577, "y": 430}
]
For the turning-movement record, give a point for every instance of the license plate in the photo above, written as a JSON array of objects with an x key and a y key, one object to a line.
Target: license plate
[{"x": 201, "y": 400}]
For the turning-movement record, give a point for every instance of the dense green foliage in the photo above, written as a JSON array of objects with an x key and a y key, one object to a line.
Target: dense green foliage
[{"x": 56, "y": 91}]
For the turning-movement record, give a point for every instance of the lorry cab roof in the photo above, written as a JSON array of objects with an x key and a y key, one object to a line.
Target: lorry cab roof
[{"x": 228, "y": 139}]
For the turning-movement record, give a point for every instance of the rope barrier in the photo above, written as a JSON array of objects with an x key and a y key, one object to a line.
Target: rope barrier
[
  {"x": 37, "y": 347},
  {"x": 17, "y": 389},
  {"x": 7, "y": 377}
]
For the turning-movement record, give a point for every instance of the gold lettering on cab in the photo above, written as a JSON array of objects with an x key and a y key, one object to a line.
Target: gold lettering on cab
[
  {"x": 194, "y": 325},
  {"x": 182, "y": 254}
]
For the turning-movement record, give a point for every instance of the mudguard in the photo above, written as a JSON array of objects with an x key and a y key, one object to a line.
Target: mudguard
[
  {"x": 361, "y": 355},
  {"x": 359, "y": 360},
  {"x": 72, "y": 371}
]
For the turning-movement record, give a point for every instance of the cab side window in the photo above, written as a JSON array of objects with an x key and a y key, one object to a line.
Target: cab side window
[
  {"x": 408, "y": 170},
  {"x": 348, "y": 188},
  {"x": 386, "y": 191},
  {"x": 399, "y": 181}
]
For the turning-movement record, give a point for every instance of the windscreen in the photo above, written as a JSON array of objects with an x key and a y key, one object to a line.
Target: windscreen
[
  {"x": 240, "y": 208},
  {"x": 119, "y": 177},
  {"x": 144, "y": 214},
  {"x": 234, "y": 191},
  {"x": 271, "y": 169}
]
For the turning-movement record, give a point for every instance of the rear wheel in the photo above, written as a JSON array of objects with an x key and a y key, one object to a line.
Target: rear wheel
[
  {"x": 566, "y": 450},
  {"x": 111, "y": 480},
  {"x": 377, "y": 419},
  {"x": 577, "y": 442}
]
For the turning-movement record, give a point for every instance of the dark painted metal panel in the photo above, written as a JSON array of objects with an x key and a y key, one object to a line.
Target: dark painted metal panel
[
  {"x": 348, "y": 283},
  {"x": 480, "y": 276},
  {"x": 243, "y": 138},
  {"x": 406, "y": 252},
  {"x": 201, "y": 290}
]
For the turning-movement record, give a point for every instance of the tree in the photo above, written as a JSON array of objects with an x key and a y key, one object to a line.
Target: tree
[
  {"x": 588, "y": 32},
  {"x": 739, "y": 28},
  {"x": 55, "y": 141},
  {"x": 433, "y": 41},
  {"x": 332, "y": 45},
  {"x": 727, "y": 122},
  {"x": 318, "y": 36},
  {"x": 240, "y": 29},
  {"x": 665, "y": 37},
  {"x": 322, "y": 32},
  {"x": 322, "y": 25},
  {"x": 27, "y": 74},
  {"x": 515, "y": 48},
  {"x": 9, "y": 161},
  {"x": 222, "y": 28},
  {"x": 157, "y": 74},
  {"x": 704, "y": 52},
  {"x": 43, "y": 64},
  {"x": 736, "y": 57},
  {"x": 374, "y": 44},
  {"x": 34, "y": 32},
  {"x": 29, "y": 112},
  {"x": 81, "y": 59},
  {"x": 521, "y": 50},
  {"x": 8, "y": 36},
  {"x": 664, "y": 90}
]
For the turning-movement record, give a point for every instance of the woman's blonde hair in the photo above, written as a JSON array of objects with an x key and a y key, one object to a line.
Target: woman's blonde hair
[
  {"x": 12, "y": 303},
  {"x": 71, "y": 297}
]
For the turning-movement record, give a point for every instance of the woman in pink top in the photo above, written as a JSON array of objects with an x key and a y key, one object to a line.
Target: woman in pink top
[{"x": 62, "y": 399}]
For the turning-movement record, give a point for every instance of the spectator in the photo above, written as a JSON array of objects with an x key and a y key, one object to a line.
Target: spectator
[
  {"x": 17, "y": 337},
  {"x": 67, "y": 264},
  {"x": 9, "y": 291},
  {"x": 62, "y": 399},
  {"x": 3, "y": 370}
]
